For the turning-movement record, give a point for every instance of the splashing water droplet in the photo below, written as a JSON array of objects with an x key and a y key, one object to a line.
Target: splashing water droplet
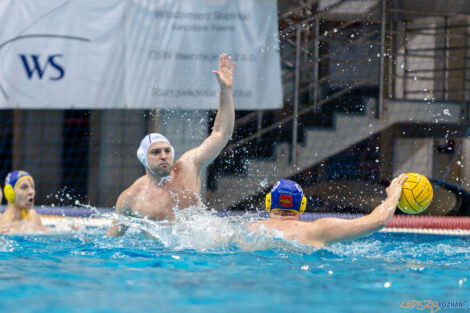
[{"x": 264, "y": 183}]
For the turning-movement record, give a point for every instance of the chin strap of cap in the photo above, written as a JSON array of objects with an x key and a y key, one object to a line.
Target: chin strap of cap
[{"x": 165, "y": 179}]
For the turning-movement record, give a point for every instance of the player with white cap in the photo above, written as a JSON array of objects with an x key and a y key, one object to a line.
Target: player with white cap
[{"x": 168, "y": 184}]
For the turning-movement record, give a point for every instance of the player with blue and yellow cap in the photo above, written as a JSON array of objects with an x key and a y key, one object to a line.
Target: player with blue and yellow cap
[
  {"x": 19, "y": 216},
  {"x": 12, "y": 181},
  {"x": 286, "y": 202},
  {"x": 286, "y": 196}
]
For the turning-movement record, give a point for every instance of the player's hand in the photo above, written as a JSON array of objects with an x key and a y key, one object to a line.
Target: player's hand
[
  {"x": 225, "y": 72},
  {"x": 394, "y": 190}
]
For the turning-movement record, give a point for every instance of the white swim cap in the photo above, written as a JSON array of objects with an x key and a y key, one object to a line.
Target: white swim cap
[{"x": 145, "y": 144}]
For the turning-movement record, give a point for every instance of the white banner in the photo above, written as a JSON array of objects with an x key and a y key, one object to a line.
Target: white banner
[{"x": 149, "y": 54}]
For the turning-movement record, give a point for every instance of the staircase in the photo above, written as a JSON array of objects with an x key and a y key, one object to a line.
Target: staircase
[{"x": 421, "y": 74}]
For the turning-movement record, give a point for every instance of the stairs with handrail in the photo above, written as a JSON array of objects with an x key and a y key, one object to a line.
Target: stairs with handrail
[{"x": 320, "y": 98}]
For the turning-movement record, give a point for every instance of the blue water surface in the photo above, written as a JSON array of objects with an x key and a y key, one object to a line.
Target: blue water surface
[{"x": 90, "y": 272}]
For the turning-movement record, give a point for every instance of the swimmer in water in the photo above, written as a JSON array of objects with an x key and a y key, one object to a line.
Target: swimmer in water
[
  {"x": 166, "y": 184},
  {"x": 286, "y": 202},
  {"x": 19, "y": 216}
]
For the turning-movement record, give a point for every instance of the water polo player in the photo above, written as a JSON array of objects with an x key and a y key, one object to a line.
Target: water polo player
[
  {"x": 286, "y": 202},
  {"x": 19, "y": 216},
  {"x": 167, "y": 185}
]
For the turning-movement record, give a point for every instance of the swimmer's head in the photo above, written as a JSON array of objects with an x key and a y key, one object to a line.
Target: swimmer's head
[
  {"x": 286, "y": 196},
  {"x": 19, "y": 189},
  {"x": 156, "y": 154}
]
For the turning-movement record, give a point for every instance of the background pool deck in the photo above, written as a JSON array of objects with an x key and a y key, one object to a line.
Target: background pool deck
[{"x": 441, "y": 225}]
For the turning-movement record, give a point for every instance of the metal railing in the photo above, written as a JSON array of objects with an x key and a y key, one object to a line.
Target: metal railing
[
  {"x": 400, "y": 60},
  {"x": 301, "y": 59},
  {"x": 427, "y": 54},
  {"x": 290, "y": 36}
]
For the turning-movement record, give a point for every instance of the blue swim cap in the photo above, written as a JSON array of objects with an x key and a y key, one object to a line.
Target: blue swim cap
[
  {"x": 11, "y": 181},
  {"x": 286, "y": 195}
]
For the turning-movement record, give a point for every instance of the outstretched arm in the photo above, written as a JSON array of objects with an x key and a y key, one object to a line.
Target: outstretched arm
[
  {"x": 330, "y": 230},
  {"x": 224, "y": 121}
]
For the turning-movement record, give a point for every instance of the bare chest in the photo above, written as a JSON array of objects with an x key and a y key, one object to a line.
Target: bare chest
[
  {"x": 159, "y": 203},
  {"x": 23, "y": 227}
]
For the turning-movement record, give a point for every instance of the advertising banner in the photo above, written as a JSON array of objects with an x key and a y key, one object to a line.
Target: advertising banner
[{"x": 137, "y": 54}]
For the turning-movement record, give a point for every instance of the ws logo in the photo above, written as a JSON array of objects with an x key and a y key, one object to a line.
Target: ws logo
[
  {"x": 32, "y": 64},
  {"x": 36, "y": 65}
]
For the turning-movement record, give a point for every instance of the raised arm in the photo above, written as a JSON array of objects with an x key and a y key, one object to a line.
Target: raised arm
[
  {"x": 330, "y": 230},
  {"x": 123, "y": 207},
  {"x": 224, "y": 121}
]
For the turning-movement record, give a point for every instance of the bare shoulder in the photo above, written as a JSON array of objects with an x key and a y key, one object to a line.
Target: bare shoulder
[
  {"x": 319, "y": 233},
  {"x": 307, "y": 228},
  {"x": 35, "y": 216},
  {"x": 187, "y": 161},
  {"x": 185, "y": 167},
  {"x": 306, "y": 232},
  {"x": 36, "y": 220},
  {"x": 314, "y": 228},
  {"x": 254, "y": 225},
  {"x": 128, "y": 197},
  {"x": 136, "y": 187}
]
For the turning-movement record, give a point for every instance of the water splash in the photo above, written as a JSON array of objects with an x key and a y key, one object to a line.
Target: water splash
[
  {"x": 201, "y": 229},
  {"x": 6, "y": 245}
]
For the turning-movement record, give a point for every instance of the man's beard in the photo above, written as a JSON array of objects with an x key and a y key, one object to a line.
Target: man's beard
[{"x": 163, "y": 171}]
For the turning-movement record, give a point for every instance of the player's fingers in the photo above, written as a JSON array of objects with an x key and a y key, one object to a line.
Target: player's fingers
[
  {"x": 221, "y": 61},
  {"x": 233, "y": 67},
  {"x": 402, "y": 178},
  {"x": 225, "y": 60}
]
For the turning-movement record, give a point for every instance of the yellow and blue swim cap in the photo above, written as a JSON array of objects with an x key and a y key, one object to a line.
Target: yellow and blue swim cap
[
  {"x": 286, "y": 195},
  {"x": 11, "y": 182}
]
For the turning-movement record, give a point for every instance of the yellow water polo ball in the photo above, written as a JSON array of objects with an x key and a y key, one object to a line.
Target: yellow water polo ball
[{"x": 416, "y": 195}]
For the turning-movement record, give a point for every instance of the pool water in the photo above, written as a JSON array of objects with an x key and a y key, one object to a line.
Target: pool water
[{"x": 212, "y": 264}]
